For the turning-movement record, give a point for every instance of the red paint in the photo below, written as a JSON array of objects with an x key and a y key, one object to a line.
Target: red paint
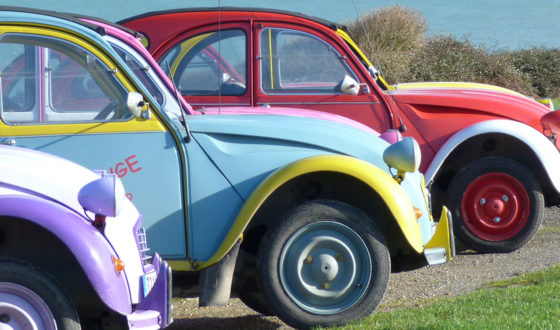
[
  {"x": 130, "y": 165},
  {"x": 495, "y": 207}
]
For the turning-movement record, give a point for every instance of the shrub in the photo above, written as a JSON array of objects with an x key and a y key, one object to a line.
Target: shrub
[
  {"x": 394, "y": 39},
  {"x": 448, "y": 59},
  {"x": 389, "y": 36},
  {"x": 542, "y": 67}
]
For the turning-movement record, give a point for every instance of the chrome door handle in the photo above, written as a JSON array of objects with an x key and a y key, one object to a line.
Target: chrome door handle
[{"x": 8, "y": 141}]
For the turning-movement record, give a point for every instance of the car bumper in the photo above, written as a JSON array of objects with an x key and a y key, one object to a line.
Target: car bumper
[
  {"x": 441, "y": 248},
  {"x": 154, "y": 312}
]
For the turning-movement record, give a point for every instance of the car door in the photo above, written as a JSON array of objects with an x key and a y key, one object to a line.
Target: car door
[
  {"x": 63, "y": 96},
  {"x": 299, "y": 67}
]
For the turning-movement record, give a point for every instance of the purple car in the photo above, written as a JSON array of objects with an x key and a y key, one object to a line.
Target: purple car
[{"x": 72, "y": 250}]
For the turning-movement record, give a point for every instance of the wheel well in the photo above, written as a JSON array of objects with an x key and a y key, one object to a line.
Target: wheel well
[
  {"x": 487, "y": 145},
  {"x": 24, "y": 240},
  {"x": 325, "y": 185}
]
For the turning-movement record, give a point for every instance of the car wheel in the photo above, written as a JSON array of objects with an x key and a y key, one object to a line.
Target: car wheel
[
  {"x": 497, "y": 205},
  {"x": 323, "y": 264},
  {"x": 30, "y": 299}
]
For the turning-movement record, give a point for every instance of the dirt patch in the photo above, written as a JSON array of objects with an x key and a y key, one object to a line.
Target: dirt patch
[{"x": 467, "y": 272}]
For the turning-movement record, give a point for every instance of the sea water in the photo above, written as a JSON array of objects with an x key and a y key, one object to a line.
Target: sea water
[{"x": 494, "y": 24}]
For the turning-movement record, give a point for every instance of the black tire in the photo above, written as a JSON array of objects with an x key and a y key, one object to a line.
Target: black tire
[
  {"x": 336, "y": 234},
  {"x": 497, "y": 205},
  {"x": 21, "y": 282}
]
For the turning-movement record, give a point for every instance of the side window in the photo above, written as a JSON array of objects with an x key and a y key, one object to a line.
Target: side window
[
  {"x": 19, "y": 80},
  {"x": 60, "y": 82},
  {"x": 297, "y": 62},
  {"x": 212, "y": 63}
]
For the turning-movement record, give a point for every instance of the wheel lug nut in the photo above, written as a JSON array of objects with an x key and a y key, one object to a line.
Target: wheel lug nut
[
  {"x": 309, "y": 259},
  {"x": 4, "y": 318},
  {"x": 497, "y": 219},
  {"x": 339, "y": 257},
  {"x": 325, "y": 285},
  {"x": 505, "y": 198},
  {"x": 483, "y": 201}
]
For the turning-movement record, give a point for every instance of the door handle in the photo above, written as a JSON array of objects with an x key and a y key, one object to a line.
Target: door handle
[{"x": 8, "y": 141}]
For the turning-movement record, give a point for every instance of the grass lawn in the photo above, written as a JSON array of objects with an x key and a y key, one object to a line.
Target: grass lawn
[{"x": 529, "y": 301}]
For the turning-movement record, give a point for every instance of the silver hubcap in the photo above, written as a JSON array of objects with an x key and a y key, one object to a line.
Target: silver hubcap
[
  {"x": 21, "y": 308},
  {"x": 325, "y": 267}
]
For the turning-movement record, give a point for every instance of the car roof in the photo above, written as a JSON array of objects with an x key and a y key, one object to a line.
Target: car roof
[{"x": 327, "y": 23}]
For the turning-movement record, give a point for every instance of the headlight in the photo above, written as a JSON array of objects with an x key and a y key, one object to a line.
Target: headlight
[
  {"x": 404, "y": 156},
  {"x": 103, "y": 196}
]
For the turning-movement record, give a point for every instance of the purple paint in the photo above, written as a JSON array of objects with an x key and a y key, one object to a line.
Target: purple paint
[{"x": 90, "y": 247}]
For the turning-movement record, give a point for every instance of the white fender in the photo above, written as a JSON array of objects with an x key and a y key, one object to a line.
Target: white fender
[{"x": 545, "y": 150}]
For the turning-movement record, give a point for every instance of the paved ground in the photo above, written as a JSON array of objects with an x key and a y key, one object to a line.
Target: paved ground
[{"x": 465, "y": 273}]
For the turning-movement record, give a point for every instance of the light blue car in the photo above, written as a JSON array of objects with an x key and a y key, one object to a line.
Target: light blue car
[{"x": 317, "y": 208}]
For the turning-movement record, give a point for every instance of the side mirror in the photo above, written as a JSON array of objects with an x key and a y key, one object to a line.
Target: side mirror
[
  {"x": 349, "y": 86},
  {"x": 135, "y": 103}
]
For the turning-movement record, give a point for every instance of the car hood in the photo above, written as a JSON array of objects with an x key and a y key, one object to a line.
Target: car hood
[
  {"x": 480, "y": 98},
  {"x": 273, "y": 141},
  {"x": 36, "y": 172}
]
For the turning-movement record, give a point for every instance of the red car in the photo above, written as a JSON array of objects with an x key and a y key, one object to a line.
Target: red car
[{"x": 488, "y": 153}]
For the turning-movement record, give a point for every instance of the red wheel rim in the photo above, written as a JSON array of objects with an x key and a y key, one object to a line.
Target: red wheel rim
[{"x": 495, "y": 207}]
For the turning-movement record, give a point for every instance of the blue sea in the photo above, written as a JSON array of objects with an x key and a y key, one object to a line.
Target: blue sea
[{"x": 495, "y": 24}]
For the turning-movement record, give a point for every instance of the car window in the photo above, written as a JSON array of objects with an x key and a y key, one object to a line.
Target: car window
[
  {"x": 46, "y": 79},
  {"x": 298, "y": 62},
  {"x": 212, "y": 63},
  {"x": 19, "y": 80},
  {"x": 141, "y": 71}
]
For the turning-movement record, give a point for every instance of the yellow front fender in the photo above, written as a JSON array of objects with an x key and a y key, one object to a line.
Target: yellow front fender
[{"x": 390, "y": 191}]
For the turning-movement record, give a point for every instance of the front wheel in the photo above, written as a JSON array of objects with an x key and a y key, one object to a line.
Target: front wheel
[
  {"x": 498, "y": 205},
  {"x": 325, "y": 263},
  {"x": 30, "y": 299}
]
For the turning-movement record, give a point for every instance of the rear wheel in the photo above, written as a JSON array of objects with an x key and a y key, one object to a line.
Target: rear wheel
[
  {"x": 30, "y": 299},
  {"x": 498, "y": 205},
  {"x": 325, "y": 263}
]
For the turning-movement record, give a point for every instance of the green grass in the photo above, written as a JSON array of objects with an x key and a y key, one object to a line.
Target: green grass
[
  {"x": 528, "y": 301},
  {"x": 556, "y": 103}
]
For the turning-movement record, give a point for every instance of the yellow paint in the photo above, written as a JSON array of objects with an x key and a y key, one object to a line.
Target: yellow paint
[
  {"x": 462, "y": 85},
  {"x": 53, "y": 128},
  {"x": 186, "y": 47},
  {"x": 443, "y": 236},
  {"x": 270, "y": 55},
  {"x": 358, "y": 51},
  {"x": 392, "y": 193}
]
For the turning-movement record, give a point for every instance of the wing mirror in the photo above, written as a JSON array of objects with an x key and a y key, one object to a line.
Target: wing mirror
[
  {"x": 351, "y": 87},
  {"x": 136, "y": 104},
  {"x": 404, "y": 156}
]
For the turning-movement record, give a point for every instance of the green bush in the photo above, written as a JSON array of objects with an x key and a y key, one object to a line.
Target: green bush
[
  {"x": 390, "y": 36},
  {"x": 541, "y": 66},
  {"x": 394, "y": 39},
  {"x": 448, "y": 59}
]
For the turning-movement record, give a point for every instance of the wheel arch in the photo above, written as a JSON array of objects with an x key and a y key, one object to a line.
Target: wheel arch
[
  {"x": 505, "y": 138},
  {"x": 351, "y": 177},
  {"x": 59, "y": 241}
]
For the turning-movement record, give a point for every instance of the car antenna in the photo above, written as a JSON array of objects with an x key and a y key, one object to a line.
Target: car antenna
[
  {"x": 178, "y": 96},
  {"x": 377, "y": 72}
]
